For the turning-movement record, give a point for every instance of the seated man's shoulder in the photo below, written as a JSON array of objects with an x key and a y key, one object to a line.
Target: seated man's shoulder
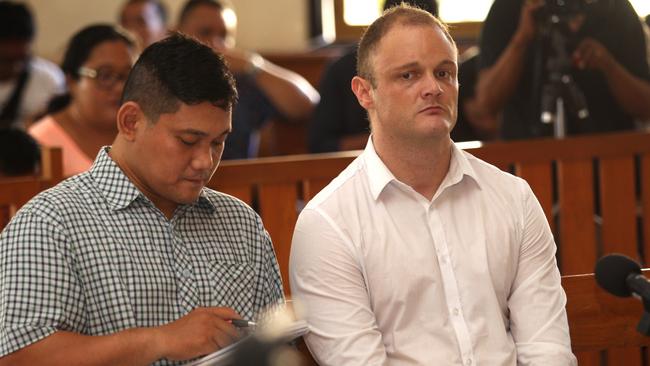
[
  {"x": 493, "y": 177},
  {"x": 61, "y": 200},
  {"x": 344, "y": 187}
]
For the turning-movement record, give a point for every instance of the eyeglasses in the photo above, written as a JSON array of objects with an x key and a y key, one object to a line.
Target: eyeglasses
[{"x": 104, "y": 77}]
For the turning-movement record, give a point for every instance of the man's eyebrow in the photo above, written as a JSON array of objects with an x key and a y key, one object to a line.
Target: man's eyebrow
[
  {"x": 405, "y": 66},
  {"x": 448, "y": 62},
  {"x": 416, "y": 64},
  {"x": 191, "y": 131},
  {"x": 199, "y": 133}
]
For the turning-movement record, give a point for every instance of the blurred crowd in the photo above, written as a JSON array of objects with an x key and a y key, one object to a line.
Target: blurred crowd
[{"x": 584, "y": 63}]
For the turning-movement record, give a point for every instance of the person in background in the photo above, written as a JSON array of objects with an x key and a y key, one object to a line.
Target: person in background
[
  {"x": 339, "y": 122},
  {"x": 418, "y": 253},
  {"x": 473, "y": 122},
  {"x": 27, "y": 82},
  {"x": 20, "y": 155},
  {"x": 135, "y": 262},
  {"x": 605, "y": 50},
  {"x": 96, "y": 64},
  {"x": 266, "y": 91},
  {"x": 147, "y": 19}
]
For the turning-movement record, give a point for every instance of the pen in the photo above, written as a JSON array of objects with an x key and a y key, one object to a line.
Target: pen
[{"x": 242, "y": 323}]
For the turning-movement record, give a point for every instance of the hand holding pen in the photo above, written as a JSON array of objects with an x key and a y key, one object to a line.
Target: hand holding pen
[
  {"x": 200, "y": 332},
  {"x": 243, "y": 323}
]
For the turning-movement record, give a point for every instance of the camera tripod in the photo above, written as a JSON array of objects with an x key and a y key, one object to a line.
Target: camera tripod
[{"x": 560, "y": 91}]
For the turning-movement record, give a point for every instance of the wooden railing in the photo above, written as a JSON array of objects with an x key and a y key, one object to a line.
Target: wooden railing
[{"x": 15, "y": 192}]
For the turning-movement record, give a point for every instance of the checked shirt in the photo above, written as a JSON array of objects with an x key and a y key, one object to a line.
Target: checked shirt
[{"x": 94, "y": 256}]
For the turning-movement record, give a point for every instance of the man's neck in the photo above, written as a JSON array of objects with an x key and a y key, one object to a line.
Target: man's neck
[
  {"x": 116, "y": 153},
  {"x": 422, "y": 165}
]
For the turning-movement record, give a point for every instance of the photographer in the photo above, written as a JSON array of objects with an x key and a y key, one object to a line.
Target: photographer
[{"x": 606, "y": 48}]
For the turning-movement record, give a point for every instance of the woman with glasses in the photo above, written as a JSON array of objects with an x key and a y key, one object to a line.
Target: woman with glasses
[{"x": 96, "y": 65}]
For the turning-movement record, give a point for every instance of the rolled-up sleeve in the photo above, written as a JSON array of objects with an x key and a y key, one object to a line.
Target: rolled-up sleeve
[{"x": 537, "y": 303}]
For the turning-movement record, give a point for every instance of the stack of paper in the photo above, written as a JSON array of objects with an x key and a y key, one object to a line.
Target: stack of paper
[{"x": 223, "y": 357}]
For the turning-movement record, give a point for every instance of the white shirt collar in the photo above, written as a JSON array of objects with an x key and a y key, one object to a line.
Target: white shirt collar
[{"x": 381, "y": 176}]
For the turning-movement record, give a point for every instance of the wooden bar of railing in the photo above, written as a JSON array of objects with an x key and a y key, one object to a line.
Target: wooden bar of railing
[{"x": 15, "y": 192}]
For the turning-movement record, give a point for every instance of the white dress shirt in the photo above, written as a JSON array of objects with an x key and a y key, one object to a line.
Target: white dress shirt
[
  {"x": 388, "y": 277},
  {"x": 45, "y": 81}
]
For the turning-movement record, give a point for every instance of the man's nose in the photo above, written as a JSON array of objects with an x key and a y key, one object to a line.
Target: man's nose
[
  {"x": 203, "y": 159},
  {"x": 431, "y": 87}
]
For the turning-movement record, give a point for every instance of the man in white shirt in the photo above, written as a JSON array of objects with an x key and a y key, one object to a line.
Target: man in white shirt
[
  {"x": 419, "y": 253},
  {"x": 27, "y": 83}
]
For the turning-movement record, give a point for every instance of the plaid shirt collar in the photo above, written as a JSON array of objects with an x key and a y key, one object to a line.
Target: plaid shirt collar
[{"x": 120, "y": 192}]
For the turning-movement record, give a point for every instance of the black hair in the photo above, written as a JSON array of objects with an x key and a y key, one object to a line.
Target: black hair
[
  {"x": 85, "y": 41},
  {"x": 429, "y": 5},
  {"x": 191, "y": 4},
  {"x": 79, "y": 49},
  {"x": 176, "y": 70},
  {"x": 19, "y": 153},
  {"x": 17, "y": 21}
]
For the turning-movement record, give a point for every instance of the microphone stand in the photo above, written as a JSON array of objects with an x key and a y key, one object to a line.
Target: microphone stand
[
  {"x": 643, "y": 294},
  {"x": 560, "y": 86}
]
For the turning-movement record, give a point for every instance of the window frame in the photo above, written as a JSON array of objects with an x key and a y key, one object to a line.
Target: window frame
[{"x": 462, "y": 32}]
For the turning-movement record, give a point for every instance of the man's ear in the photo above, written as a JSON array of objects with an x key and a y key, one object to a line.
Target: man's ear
[
  {"x": 362, "y": 88},
  {"x": 130, "y": 118}
]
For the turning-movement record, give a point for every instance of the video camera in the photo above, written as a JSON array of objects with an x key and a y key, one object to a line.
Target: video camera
[
  {"x": 560, "y": 94},
  {"x": 557, "y": 11}
]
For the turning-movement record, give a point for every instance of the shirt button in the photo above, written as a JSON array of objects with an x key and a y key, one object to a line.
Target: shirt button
[
  {"x": 187, "y": 273},
  {"x": 468, "y": 362},
  {"x": 456, "y": 311}
]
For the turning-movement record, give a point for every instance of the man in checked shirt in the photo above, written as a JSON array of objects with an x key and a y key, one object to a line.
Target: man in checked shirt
[{"x": 135, "y": 261}]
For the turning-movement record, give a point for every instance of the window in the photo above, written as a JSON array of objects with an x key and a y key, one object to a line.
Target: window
[
  {"x": 642, "y": 7},
  {"x": 363, "y": 12},
  {"x": 464, "y": 16}
]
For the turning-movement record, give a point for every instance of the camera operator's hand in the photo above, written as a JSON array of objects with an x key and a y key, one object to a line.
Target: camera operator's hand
[
  {"x": 239, "y": 61},
  {"x": 202, "y": 331},
  {"x": 527, "y": 26},
  {"x": 591, "y": 54}
]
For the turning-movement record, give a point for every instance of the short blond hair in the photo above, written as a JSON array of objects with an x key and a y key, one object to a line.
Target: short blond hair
[{"x": 402, "y": 14}]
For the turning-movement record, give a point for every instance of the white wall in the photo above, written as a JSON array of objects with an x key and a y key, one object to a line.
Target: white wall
[{"x": 264, "y": 25}]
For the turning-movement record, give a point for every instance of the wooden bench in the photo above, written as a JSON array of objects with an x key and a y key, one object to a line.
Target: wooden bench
[
  {"x": 15, "y": 192},
  {"x": 595, "y": 192}
]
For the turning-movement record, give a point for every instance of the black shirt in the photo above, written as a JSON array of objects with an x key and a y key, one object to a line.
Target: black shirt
[{"x": 613, "y": 23}]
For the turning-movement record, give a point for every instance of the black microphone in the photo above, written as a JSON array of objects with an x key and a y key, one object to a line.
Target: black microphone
[{"x": 621, "y": 276}]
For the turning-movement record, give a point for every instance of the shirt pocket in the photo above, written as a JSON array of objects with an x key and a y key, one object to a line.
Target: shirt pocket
[{"x": 232, "y": 284}]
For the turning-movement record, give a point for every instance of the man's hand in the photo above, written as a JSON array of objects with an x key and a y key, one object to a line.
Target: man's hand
[
  {"x": 239, "y": 61},
  {"x": 527, "y": 26},
  {"x": 202, "y": 331},
  {"x": 591, "y": 54}
]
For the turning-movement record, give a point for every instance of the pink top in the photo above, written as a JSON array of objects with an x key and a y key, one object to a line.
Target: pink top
[{"x": 49, "y": 133}]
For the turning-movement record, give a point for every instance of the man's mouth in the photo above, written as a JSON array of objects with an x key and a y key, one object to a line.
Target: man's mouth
[
  {"x": 432, "y": 109},
  {"x": 197, "y": 181}
]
